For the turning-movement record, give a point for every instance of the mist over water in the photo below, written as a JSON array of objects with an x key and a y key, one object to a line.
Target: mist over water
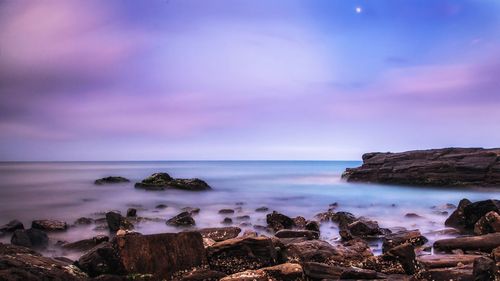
[{"x": 65, "y": 191}]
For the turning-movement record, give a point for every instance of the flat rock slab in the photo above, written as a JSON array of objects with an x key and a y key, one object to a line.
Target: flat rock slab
[
  {"x": 434, "y": 167},
  {"x": 485, "y": 243},
  {"x": 443, "y": 261}
]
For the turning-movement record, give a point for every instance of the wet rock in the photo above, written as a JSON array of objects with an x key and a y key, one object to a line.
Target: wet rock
[
  {"x": 226, "y": 211},
  {"x": 84, "y": 221},
  {"x": 282, "y": 272},
  {"x": 484, "y": 269},
  {"x": 277, "y": 221},
  {"x": 18, "y": 263},
  {"x": 484, "y": 243},
  {"x": 162, "y": 181},
  {"x": 202, "y": 275},
  {"x": 49, "y": 225},
  {"x": 322, "y": 271},
  {"x": 182, "y": 219},
  {"x": 286, "y": 233},
  {"x": 324, "y": 216},
  {"x": 342, "y": 219},
  {"x": 489, "y": 223},
  {"x": 413, "y": 216},
  {"x": 220, "y": 233},
  {"x": 313, "y": 226},
  {"x": 12, "y": 226},
  {"x": 31, "y": 238},
  {"x": 132, "y": 212},
  {"x": 227, "y": 220},
  {"x": 434, "y": 167},
  {"x": 474, "y": 211},
  {"x": 444, "y": 261},
  {"x": 161, "y": 206},
  {"x": 243, "y": 218},
  {"x": 461, "y": 273},
  {"x": 102, "y": 259},
  {"x": 299, "y": 222},
  {"x": 239, "y": 254},
  {"x": 110, "y": 180},
  {"x": 191, "y": 210},
  {"x": 401, "y": 237},
  {"x": 116, "y": 222},
  {"x": 457, "y": 218},
  {"x": 86, "y": 244},
  {"x": 405, "y": 255},
  {"x": 360, "y": 228},
  {"x": 262, "y": 209}
]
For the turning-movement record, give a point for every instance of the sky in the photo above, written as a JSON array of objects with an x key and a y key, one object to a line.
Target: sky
[{"x": 246, "y": 79}]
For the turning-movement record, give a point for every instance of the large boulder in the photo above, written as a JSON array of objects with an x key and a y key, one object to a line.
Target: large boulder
[
  {"x": 467, "y": 215},
  {"x": 434, "y": 167},
  {"x": 162, "y": 181},
  {"x": 110, "y": 180},
  {"x": 239, "y": 254},
  {"x": 31, "y": 238},
  {"x": 18, "y": 263}
]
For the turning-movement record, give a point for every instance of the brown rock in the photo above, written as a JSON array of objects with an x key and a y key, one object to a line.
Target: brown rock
[
  {"x": 116, "y": 222},
  {"x": 85, "y": 244},
  {"x": 111, "y": 180},
  {"x": 463, "y": 273},
  {"x": 31, "y": 238},
  {"x": 49, "y": 225},
  {"x": 489, "y": 223},
  {"x": 202, "y": 275},
  {"x": 485, "y": 243},
  {"x": 220, "y": 233},
  {"x": 484, "y": 269},
  {"x": 182, "y": 219},
  {"x": 401, "y": 237},
  {"x": 457, "y": 218},
  {"x": 443, "y": 261},
  {"x": 287, "y": 233},
  {"x": 282, "y": 272},
  {"x": 162, "y": 181},
  {"x": 277, "y": 221}
]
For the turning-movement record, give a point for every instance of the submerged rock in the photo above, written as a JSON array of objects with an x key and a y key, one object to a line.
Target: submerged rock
[
  {"x": 433, "y": 167},
  {"x": 111, "y": 180},
  {"x": 182, "y": 219},
  {"x": 162, "y": 181},
  {"x": 31, "y": 238}
]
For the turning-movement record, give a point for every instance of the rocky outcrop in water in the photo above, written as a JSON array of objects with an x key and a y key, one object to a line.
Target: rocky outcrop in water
[
  {"x": 434, "y": 167},
  {"x": 162, "y": 181},
  {"x": 111, "y": 180}
]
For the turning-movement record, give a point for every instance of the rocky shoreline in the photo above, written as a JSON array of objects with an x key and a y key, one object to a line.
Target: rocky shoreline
[{"x": 434, "y": 167}]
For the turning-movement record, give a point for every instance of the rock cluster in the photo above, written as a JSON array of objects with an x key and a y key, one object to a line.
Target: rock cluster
[
  {"x": 162, "y": 181},
  {"x": 434, "y": 167}
]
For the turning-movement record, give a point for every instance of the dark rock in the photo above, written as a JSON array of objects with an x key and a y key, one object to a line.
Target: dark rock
[
  {"x": 109, "y": 180},
  {"x": 342, "y": 219},
  {"x": 360, "y": 228},
  {"x": 312, "y": 225},
  {"x": 277, "y": 221},
  {"x": 484, "y": 269},
  {"x": 226, "y": 211},
  {"x": 102, "y": 259},
  {"x": 401, "y": 237},
  {"x": 325, "y": 216},
  {"x": 353, "y": 273},
  {"x": 243, "y": 218},
  {"x": 49, "y": 225},
  {"x": 444, "y": 261},
  {"x": 434, "y": 167},
  {"x": 31, "y": 238},
  {"x": 162, "y": 181},
  {"x": 457, "y": 218},
  {"x": 132, "y": 212},
  {"x": 474, "y": 211},
  {"x": 202, "y": 275},
  {"x": 489, "y": 223},
  {"x": 18, "y": 263},
  {"x": 322, "y": 271},
  {"x": 462, "y": 273},
  {"x": 405, "y": 254},
  {"x": 485, "y": 243},
  {"x": 239, "y": 254},
  {"x": 227, "y": 220},
  {"x": 220, "y": 233},
  {"x": 286, "y": 233},
  {"x": 299, "y": 222},
  {"x": 161, "y": 206},
  {"x": 413, "y": 216},
  {"x": 262, "y": 209},
  {"x": 182, "y": 219},
  {"x": 12, "y": 226},
  {"x": 116, "y": 222},
  {"x": 86, "y": 244},
  {"x": 83, "y": 221},
  {"x": 191, "y": 210}
]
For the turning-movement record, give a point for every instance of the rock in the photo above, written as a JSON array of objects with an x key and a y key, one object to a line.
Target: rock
[
  {"x": 86, "y": 244},
  {"x": 325, "y": 216},
  {"x": 360, "y": 228},
  {"x": 489, "y": 223},
  {"x": 191, "y": 210},
  {"x": 161, "y": 206},
  {"x": 299, "y": 222},
  {"x": 226, "y": 211},
  {"x": 227, "y": 221},
  {"x": 251, "y": 233},
  {"x": 239, "y": 254},
  {"x": 182, "y": 219},
  {"x": 262, "y": 209},
  {"x": 202, "y": 275},
  {"x": 342, "y": 219},
  {"x": 401, "y": 237},
  {"x": 102, "y": 259},
  {"x": 286, "y": 233},
  {"x": 484, "y": 269},
  {"x": 84, "y": 221},
  {"x": 457, "y": 218},
  {"x": 434, "y": 167},
  {"x": 18, "y": 263},
  {"x": 413, "y": 216},
  {"x": 49, "y": 225},
  {"x": 110, "y": 180},
  {"x": 313, "y": 226},
  {"x": 31, "y": 238},
  {"x": 243, "y": 218},
  {"x": 277, "y": 221},
  {"x": 220, "y": 233},
  {"x": 131, "y": 212},
  {"x": 282, "y": 272},
  {"x": 474, "y": 211},
  {"x": 462, "y": 273},
  {"x": 116, "y": 222},
  {"x": 321, "y": 271},
  {"x": 443, "y": 261},
  {"x": 12, "y": 226},
  {"x": 405, "y": 255},
  {"x": 485, "y": 243},
  {"x": 162, "y": 181}
]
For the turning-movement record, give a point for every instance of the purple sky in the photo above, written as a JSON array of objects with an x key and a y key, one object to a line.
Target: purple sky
[{"x": 256, "y": 79}]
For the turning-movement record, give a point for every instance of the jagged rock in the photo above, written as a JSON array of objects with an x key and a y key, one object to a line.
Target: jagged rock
[
  {"x": 162, "y": 181},
  {"x": 434, "y": 167},
  {"x": 282, "y": 272},
  {"x": 277, "y": 221},
  {"x": 457, "y": 218},
  {"x": 342, "y": 219},
  {"x": 401, "y": 237},
  {"x": 31, "y": 238},
  {"x": 489, "y": 223},
  {"x": 360, "y": 228},
  {"x": 220, "y": 233},
  {"x": 239, "y": 254},
  {"x": 485, "y": 243},
  {"x": 18, "y": 263},
  {"x": 86, "y": 244},
  {"x": 322, "y": 271},
  {"x": 182, "y": 219},
  {"x": 116, "y": 222},
  {"x": 49, "y": 225},
  {"x": 287, "y": 233},
  {"x": 110, "y": 180}
]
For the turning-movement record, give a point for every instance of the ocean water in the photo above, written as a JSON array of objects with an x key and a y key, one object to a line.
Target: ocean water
[{"x": 65, "y": 191}]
